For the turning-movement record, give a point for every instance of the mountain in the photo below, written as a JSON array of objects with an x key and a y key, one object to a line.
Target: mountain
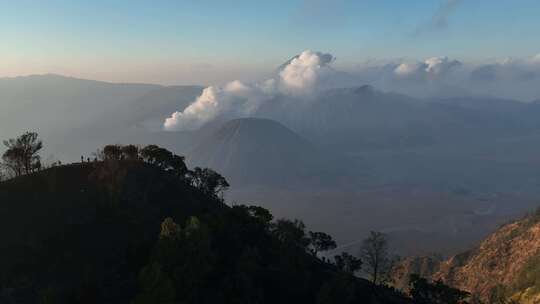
[
  {"x": 63, "y": 110},
  {"x": 252, "y": 151},
  {"x": 359, "y": 118},
  {"x": 75, "y": 115},
  {"x": 56, "y": 102},
  {"x": 129, "y": 232},
  {"x": 505, "y": 266}
]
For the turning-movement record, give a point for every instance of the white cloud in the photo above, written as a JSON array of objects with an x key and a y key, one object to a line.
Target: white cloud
[
  {"x": 408, "y": 69},
  {"x": 299, "y": 76},
  {"x": 440, "y": 65},
  {"x": 304, "y": 71},
  {"x": 431, "y": 67}
]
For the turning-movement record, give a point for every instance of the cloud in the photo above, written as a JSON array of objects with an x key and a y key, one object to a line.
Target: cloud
[
  {"x": 509, "y": 70},
  {"x": 439, "y": 20},
  {"x": 536, "y": 59},
  {"x": 428, "y": 69},
  {"x": 300, "y": 76},
  {"x": 303, "y": 72}
]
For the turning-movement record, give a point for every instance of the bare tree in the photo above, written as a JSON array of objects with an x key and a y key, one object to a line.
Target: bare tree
[{"x": 375, "y": 257}]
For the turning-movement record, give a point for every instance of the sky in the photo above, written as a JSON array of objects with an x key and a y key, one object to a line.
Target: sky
[{"x": 211, "y": 42}]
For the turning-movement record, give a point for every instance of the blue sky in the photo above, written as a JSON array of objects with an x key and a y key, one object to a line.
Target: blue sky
[{"x": 207, "y": 41}]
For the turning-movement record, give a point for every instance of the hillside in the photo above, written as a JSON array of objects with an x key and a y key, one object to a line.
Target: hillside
[
  {"x": 506, "y": 265},
  {"x": 107, "y": 232}
]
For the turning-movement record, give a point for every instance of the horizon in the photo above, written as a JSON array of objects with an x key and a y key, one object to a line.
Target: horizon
[{"x": 209, "y": 42}]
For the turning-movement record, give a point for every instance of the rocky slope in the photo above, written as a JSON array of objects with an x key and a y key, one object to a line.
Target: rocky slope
[{"x": 505, "y": 266}]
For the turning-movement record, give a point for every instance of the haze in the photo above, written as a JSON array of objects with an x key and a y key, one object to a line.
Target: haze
[{"x": 412, "y": 122}]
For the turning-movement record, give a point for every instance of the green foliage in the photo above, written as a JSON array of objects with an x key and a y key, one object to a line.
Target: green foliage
[{"x": 424, "y": 292}]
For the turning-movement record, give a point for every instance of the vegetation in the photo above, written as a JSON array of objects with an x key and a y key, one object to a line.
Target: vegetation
[
  {"x": 137, "y": 226},
  {"x": 424, "y": 292},
  {"x": 376, "y": 259},
  {"x": 21, "y": 156},
  {"x": 348, "y": 263},
  {"x": 321, "y": 241}
]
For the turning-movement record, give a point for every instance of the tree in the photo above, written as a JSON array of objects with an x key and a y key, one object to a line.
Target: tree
[
  {"x": 291, "y": 233},
  {"x": 130, "y": 152},
  {"x": 347, "y": 262},
  {"x": 156, "y": 286},
  {"x": 112, "y": 152},
  {"x": 321, "y": 241},
  {"x": 263, "y": 215},
  {"x": 154, "y": 155},
  {"x": 169, "y": 229},
  {"x": 375, "y": 256},
  {"x": 177, "y": 166},
  {"x": 424, "y": 292},
  {"x": 165, "y": 160},
  {"x": 22, "y": 155},
  {"x": 208, "y": 181}
]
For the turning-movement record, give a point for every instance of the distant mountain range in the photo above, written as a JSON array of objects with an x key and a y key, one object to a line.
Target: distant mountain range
[{"x": 331, "y": 149}]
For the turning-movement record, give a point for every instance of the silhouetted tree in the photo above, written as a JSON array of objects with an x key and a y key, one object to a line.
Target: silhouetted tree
[
  {"x": 321, "y": 241},
  {"x": 347, "y": 262},
  {"x": 98, "y": 155},
  {"x": 22, "y": 155},
  {"x": 375, "y": 256},
  {"x": 153, "y": 154},
  {"x": 112, "y": 152},
  {"x": 177, "y": 166},
  {"x": 261, "y": 214},
  {"x": 424, "y": 292},
  {"x": 208, "y": 181},
  {"x": 165, "y": 160},
  {"x": 291, "y": 233},
  {"x": 130, "y": 152}
]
